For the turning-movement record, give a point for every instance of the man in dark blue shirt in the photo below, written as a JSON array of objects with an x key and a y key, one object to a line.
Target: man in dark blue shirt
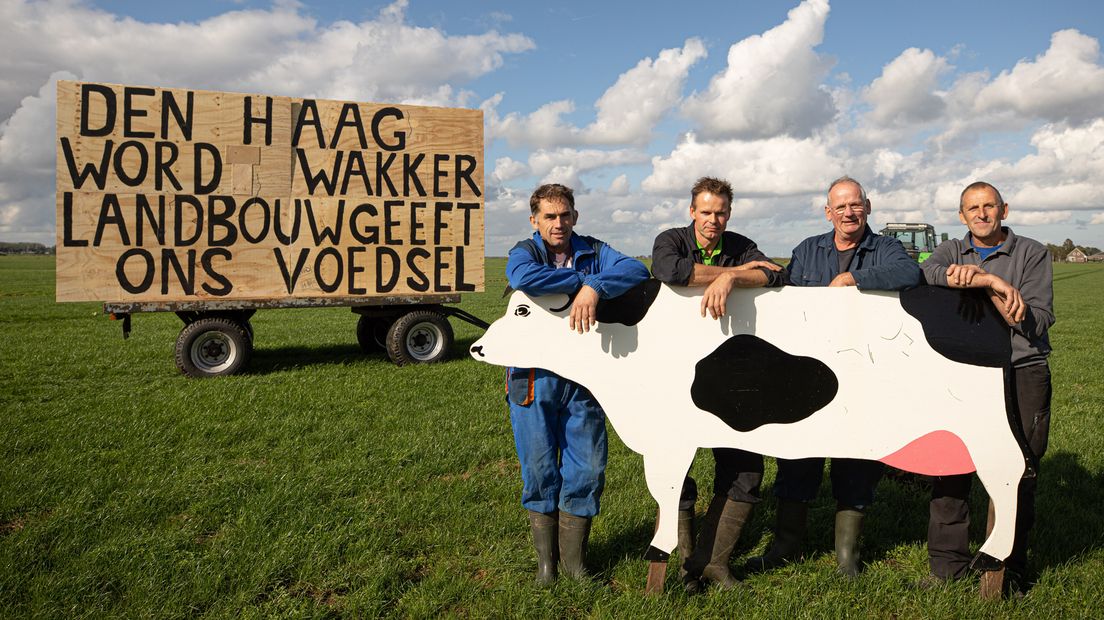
[{"x": 849, "y": 255}]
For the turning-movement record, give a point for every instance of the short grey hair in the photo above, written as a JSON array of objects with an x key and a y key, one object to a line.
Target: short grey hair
[
  {"x": 847, "y": 179},
  {"x": 979, "y": 185}
]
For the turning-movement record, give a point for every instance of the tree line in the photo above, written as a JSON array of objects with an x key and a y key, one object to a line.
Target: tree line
[
  {"x": 1060, "y": 252},
  {"x": 10, "y": 247}
]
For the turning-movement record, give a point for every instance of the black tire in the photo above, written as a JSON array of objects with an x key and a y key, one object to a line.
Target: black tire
[
  {"x": 419, "y": 337},
  {"x": 213, "y": 347},
  {"x": 372, "y": 333}
]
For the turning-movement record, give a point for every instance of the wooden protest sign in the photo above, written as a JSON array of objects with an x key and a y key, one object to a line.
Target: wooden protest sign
[{"x": 180, "y": 195}]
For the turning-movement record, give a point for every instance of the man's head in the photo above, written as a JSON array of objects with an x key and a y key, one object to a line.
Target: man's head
[
  {"x": 710, "y": 208},
  {"x": 554, "y": 215},
  {"x": 982, "y": 209},
  {"x": 847, "y": 208}
]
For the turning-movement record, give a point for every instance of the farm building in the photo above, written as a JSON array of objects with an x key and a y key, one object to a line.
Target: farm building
[{"x": 1077, "y": 255}]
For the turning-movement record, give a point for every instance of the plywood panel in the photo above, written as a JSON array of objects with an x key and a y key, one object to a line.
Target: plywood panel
[{"x": 132, "y": 162}]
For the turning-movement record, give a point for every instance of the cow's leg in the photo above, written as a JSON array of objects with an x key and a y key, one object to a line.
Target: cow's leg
[
  {"x": 665, "y": 469},
  {"x": 1000, "y": 472}
]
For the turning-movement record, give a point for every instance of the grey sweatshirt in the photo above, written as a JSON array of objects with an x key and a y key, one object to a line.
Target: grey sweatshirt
[{"x": 1025, "y": 264}]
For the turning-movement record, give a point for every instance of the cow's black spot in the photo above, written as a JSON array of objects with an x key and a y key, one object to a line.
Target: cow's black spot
[
  {"x": 960, "y": 324},
  {"x": 630, "y": 307},
  {"x": 748, "y": 382}
]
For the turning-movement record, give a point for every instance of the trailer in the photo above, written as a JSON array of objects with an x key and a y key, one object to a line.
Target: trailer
[
  {"x": 217, "y": 337},
  {"x": 214, "y": 205}
]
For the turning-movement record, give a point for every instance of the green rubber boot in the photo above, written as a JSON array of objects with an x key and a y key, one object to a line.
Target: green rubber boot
[
  {"x": 721, "y": 529},
  {"x": 543, "y": 527},
  {"x": 848, "y": 527},
  {"x": 574, "y": 532},
  {"x": 789, "y": 537}
]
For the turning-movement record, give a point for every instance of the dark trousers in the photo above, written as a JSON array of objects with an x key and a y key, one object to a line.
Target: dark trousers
[
  {"x": 853, "y": 480},
  {"x": 738, "y": 475},
  {"x": 949, "y": 521}
]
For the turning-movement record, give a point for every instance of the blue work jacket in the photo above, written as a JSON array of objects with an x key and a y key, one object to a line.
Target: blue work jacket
[
  {"x": 880, "y": 263},
  {"x": 596, "y": 264}
]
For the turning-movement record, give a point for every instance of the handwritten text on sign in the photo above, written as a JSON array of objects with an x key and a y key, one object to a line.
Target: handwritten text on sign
[{"x": 167, "y": 194}]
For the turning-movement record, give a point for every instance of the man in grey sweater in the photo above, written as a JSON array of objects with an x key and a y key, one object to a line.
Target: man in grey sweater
[{"x": 1017, "y": 273}]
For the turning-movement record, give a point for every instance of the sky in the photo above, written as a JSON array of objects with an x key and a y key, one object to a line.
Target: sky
[{"x": 629, "y": 102}]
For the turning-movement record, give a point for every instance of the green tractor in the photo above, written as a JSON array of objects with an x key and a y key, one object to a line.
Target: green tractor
[{"x": 918, "y": 239}]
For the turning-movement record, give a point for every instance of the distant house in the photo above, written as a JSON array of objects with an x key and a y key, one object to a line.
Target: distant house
[
  {"x": 1095, "y": 258},
  {"x": 1076, "y": 255}
]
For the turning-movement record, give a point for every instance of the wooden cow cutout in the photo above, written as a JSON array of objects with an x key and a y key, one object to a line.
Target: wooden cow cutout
[{"x": 916, "y": 380}]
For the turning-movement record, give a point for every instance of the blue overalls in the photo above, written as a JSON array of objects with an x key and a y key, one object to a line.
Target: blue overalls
[{"x": 559, "y": 428}]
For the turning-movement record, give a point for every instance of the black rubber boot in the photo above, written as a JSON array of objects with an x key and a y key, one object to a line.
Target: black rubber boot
[
  {"x": 721, "y": 529},
  {"x": 685, "y": 538},
  {"x": 686, "y": 548},
  {"x": 574, "y": 532},
  {"x": 544, "y": 528},
  {"x": 789, "y": 536},
  {"x": 848, "y": 527}
]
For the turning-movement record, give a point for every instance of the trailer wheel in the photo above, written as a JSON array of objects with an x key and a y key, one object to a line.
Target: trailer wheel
[
  {"x": 419, "y": 337},
  {"x": 213, "y": 347},
  {"x": 372, "y": 333}
]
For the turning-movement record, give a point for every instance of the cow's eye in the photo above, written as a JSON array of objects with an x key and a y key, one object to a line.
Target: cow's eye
[{"x": 521, "y": 310}]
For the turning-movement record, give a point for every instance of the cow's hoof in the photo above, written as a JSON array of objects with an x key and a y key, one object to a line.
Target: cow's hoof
[{"x": 984, "y": 562}]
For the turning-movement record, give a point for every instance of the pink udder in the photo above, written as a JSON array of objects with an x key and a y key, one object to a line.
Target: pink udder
[{"x": 939, "y": 453}]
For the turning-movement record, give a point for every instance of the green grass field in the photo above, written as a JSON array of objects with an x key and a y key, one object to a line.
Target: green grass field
[{"x": 330, "y": 483}]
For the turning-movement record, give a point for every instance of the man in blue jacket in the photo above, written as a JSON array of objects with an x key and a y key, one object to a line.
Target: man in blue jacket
[
  {"x": 559, "y": 429},
  {"x": 850, "y": 255}
]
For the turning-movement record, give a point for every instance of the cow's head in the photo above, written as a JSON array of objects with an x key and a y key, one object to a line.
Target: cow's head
[
  {"x": 534, "y": 332},
  {"x": 524, "y": 336}
]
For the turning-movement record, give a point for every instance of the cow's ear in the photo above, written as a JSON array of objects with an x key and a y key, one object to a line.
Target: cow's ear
[
  {"x": 630, "y": 307},
  {"x": 567, "y": 304}
]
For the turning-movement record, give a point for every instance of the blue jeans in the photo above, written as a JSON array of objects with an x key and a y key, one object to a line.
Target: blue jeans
[{"x": 561, "y": 443}]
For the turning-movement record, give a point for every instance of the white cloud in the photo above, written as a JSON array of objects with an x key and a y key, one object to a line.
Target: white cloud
[
  {"x": 780, "y": 166},
  {"x": 629, "y": 110},
  {"x": 619, "y": 186},
  {"x": 1097, "y": 218},
  {"x": 27, "y": 165},
  {"x": 544, "y": 127},
  {"x": 905, "y": 93},
  {"x": 772, "y": 84},
  {"x": 1064, "y": 83},
  {"x": 626, "y": 113},
  {"x": 506, "y": 169},
  {"x": 1057, "y": 195},
  {"x": 624, "y": 216},
  {"x": 564, "y": 165},
  {"x": 279, "y": 50},
  {"x": 1037, "y": 218}
]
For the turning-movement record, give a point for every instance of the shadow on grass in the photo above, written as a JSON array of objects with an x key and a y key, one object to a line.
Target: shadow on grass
[
  {"x": 1068, "y": 506},
  {"x": 630, "y": 543},
  {"x": 268, "y": 360},
  {"x": 1079, "y": 274}
]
